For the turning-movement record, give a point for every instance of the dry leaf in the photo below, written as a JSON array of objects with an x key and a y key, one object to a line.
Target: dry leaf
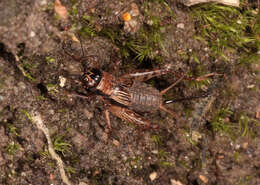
[{"x": 60, "y": 10}]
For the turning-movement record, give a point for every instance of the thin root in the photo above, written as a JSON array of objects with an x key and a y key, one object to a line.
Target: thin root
[{"x": 38, "y": 121}]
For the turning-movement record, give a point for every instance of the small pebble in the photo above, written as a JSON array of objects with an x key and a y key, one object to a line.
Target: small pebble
[
  {"x": 116, "y": 142},
  {"x": 206, "y": 49},
  {"x": 180, "y": 25},
  {"x": 32, "y": 34},
  {"x": 237, "y": 146},
  {"x": 83, "y": 183},
  {"x": 175, "y": 182},
  {"x": 43, "y": 2},
  {"x": 88, "y": 114},
  {"x": 153, "y": 176},
  {"x": 203, "y": 179},
  {"x": 1, "y": 98},
  {"x": 245, "y": 145},
  {"x": 196, "y": 136},
  {"x": 62, "y": 81},
  {"x": 251, "y": 86}
]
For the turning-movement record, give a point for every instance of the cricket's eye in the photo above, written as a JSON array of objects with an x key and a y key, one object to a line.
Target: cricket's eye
[{"x": 92, "y": 77}]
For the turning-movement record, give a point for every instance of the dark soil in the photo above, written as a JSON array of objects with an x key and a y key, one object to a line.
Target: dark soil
[{"x": 202, "y": 146}]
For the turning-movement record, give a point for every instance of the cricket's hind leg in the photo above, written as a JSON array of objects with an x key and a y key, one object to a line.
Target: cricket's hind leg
[
  {"x": 186, "y": 98},
  {"x": 128, "y": 115}
]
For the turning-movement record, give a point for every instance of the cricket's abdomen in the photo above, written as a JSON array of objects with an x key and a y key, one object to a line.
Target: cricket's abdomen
[{"x": 144, "y": 98}]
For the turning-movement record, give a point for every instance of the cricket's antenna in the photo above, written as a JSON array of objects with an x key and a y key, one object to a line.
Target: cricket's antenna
[
  {"x": 82, "y": 57},
  {"x": 81, "y": 46}
]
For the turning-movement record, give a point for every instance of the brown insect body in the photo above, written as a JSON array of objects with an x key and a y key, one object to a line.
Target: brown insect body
[
  {"x": 125, "y": 96},
  {"x": 106, "y": 84},
  {"x": 144, "y": 98},
  {"x": 137, "y": 96}
]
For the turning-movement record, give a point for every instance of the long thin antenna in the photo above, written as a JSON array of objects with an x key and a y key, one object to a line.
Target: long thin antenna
[{"x": 82, "y": 50}]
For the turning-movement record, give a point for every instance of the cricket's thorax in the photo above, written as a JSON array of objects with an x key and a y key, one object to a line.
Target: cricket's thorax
[{"x": 106, "y": 84}]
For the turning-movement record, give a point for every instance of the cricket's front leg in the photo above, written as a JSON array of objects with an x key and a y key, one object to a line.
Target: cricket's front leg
[
  {"x": 106, "y": 112},
  {"x": 131, "y": 116}
]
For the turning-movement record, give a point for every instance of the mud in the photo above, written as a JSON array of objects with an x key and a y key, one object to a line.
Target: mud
[{"x": 188, "y": 150}]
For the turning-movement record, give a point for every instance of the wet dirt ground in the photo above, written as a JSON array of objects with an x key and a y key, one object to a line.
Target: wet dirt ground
[{"x": 215, "y": 139}]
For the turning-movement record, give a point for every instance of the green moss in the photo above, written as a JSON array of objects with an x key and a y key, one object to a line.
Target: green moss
[
  {"x": 27, "y": 114},
  {"x": 41, "y": 98},
  {"x": 52, "y": 88},
  {"x": 135, "y": 162},
  {"x": 166, "y": 164},
  {"x": 219, "y": 123},
  {"x": 237, "y": 157},
  {"x": 12, "y": 148},
  {"x": 190, "y": 140},
  {"x": 44, "y": 154},
  {"x": 247, "y": 126},
  {"x": 226, "y": 27},
  {"x": 157, "y": 139},
  {"x": 88, "y": 31},
  {"x": 12, "y": 129},
  {"x": 241, "y": 125},
  {"x": 70, "y": 170},
  {"x": 50, "y": 60},
  {"x": 197, "y": 72},
  {"x": 74, "y": 10},
  {"x": 26, "y": 69},
  {"x": 88, "y": 23},
  {"x": 146, "y": 44},
  {"x": 60, "y": 145}
]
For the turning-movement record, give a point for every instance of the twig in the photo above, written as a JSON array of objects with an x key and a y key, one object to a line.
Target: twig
[
  {"x": 38, "y": 121},
  {"x": 225, "y": 2}
]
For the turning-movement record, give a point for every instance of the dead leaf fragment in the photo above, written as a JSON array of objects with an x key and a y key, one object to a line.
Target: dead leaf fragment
[{"x": 60, "y": 10}]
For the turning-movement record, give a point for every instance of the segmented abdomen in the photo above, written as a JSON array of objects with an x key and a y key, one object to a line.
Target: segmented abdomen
[{"x": 144, "y": 98}]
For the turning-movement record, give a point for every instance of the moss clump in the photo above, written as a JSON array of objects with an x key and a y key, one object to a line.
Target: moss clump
[
  {"x": 60, "y": 145},
  {"x": 12, "y": 148},
  {"x": 226, "y": 28},
  {"x": 234, "y": 125}
]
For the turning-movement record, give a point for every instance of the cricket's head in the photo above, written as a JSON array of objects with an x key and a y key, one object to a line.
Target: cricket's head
[{"x": 92, "y": 78}]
